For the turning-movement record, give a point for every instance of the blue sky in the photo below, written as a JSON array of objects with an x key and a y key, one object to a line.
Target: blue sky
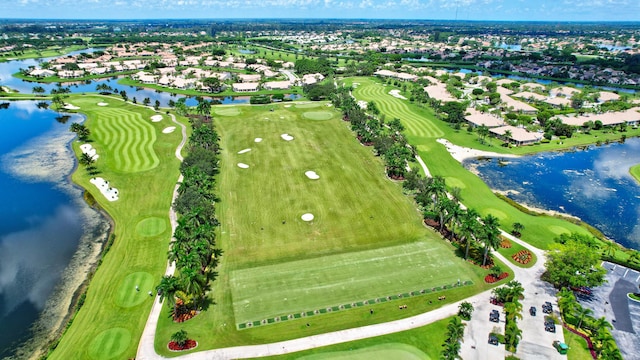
[{"x": 549, "y": 10}]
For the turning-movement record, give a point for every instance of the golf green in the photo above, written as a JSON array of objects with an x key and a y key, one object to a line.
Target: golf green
[
  {"x": 559, "y": 230},
  {"x": 308, "y": 105},
  {"x": 495, "y": 212},
  {"x": 151, "y": 226},
  {"x": 318, "y": 115},
  {"x": 109, "y": 344},
  {"x": 134, "y": 289},
  {"x": 454, "y": 182},
  {"x": 394, "y": 351},
  {"x": 227, "y": 111}
]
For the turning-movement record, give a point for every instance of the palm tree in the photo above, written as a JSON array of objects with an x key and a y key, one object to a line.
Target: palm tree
[
  {"x": 515, "y": 291},
  {"x": 512, "y": 336},
  {"x": 193, "y": 283},
  {"x": 86, "y": 160},
  {"x": 38, "y": 90},
  {"x": 468, "y": 227},
  {"x": 465, "y": 310},
  {"x": 513, "y": 309},
  {"x": 601, "y": 325},
  {"x": 566, "y": 301},
  {"x": 180, "y": 337},
  {"x": 483, "y": 132},
  {"x": 611, "y": 248},
  {"x": 490, "y": 235},
  {"x": 451, "y": 350},
  {"x": 204, "y": 108},
  {"x": 507, "y": 135},
  {"x": 167, "y": 289},
  {"x": 517, "y": 229},
  {"x": 581, "y": 313},
  {"x": 455, "y": 329}
]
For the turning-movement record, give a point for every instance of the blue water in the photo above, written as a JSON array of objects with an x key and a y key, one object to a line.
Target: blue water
[
  {"x": 510, "y": 47},
  {"x": 40, "y": 228},
  {"x": 593, "y": 184}
]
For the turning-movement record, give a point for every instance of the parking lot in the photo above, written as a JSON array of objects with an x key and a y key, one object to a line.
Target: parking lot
[{"x": 536, "y": 343}]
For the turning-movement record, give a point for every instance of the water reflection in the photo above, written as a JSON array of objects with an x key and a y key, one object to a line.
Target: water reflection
[{"x": 593, "y": 184}]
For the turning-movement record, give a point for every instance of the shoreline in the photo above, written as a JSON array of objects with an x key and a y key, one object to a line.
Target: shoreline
[{"x": 461, "y": 153}]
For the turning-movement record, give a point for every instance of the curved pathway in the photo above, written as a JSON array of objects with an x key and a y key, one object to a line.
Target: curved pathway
[{"x": 146, "y": 349}]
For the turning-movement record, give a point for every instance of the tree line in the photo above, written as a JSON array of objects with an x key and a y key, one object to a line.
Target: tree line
[{"x": 194, "y": 245}]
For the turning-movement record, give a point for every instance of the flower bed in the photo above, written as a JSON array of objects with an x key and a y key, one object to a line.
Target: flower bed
[
  {"x": 490, "y": 279},
  {"x": 181, "y": 313},
  {"x": 189, "y": 344},
  {"x": 523, "y": 257},
  {"x": 505, "y": 244}
]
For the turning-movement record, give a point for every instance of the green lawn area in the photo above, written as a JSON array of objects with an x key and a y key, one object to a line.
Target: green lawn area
[
  {"x": 635, "y": 172},
  {"x": 365, "y": 243},
  {"x": 419, "y": 122},
  {"x": 578, "y": 348},
  {"x": 130, "y": 147},
  {"x": 420, "y": 343},
  {"x": 515, "y": 247}
]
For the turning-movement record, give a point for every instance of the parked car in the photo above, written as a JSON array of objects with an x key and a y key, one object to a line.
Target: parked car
[
  {"x": 493, "y": 340},
  {"x": 561, "y": 347},
  {"x": 547, "y": 308},
  {"x": 532, "y": 311},
  {"x": 494, "y": 316}
]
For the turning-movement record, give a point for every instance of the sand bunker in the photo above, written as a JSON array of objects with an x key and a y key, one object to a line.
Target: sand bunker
[
  {"x": 102, "y": 104},
  {"x": 258, "y": 140},
  {"x": 71, "y": 107},
  {"x": 109, "y": 193},
  {"x": 244, "y": 151},
  {"x": 396, "y": 94},
  {"x": 312, "y": 175},
  {"x": 286, "y": 137},
  {"x": 307, "y": 217},
  {"x": 287, "y": 106},
  {"x": 89, "y": 150},
  {"x": 169, "y": 129},
  {"x": 156, "y": 118},
  {"x": 243, "y": 166}
]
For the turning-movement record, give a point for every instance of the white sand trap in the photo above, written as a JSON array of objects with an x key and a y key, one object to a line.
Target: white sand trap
[
  {"x": 71, "y": 107},
  {"x": 286, "y": 137},
  {"x": 89, "y": 150},
  {"x": 156, "y": 118},
  {"x": 258, "y": 140},
  {"x": 312, "y": 175},
  {"x": 243, "y": 166},
  {"x": 287, "y": 106},
  {"x": 169, "y": 129},
  {"x": 396, "y": 94},
  {"x": 103, "y": 185},
  {"x": 102, "y": 104},
  {"x": 244, "y": 151},
  {"x": 307, "y": 217}
]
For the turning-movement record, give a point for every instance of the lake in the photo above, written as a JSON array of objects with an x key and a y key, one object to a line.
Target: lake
[
  {"x": 47, "y": 231},
  {"x": 593, "y": 184}
]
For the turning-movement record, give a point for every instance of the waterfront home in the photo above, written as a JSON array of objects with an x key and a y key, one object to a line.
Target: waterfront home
[
  {"x": 245, "y": 87},
  {"x": 277, "y": 85},
  {"x": 477, "y": 118},
  {"x": 519, "y": 136},
  {"x": 42, "y": 73},
  {"x": 309, "y": 79},
  {"x": 249, "y": 78}
]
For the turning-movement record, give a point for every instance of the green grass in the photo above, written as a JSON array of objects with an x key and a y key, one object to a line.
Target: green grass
[
  {"x": 318, "y": 115},
  {"x": 515, "y": 247},
  {"x": 271, "y": 254},
  {"x": 424, "y": 342},
  {"x": 151, "y": 226},
  {"x": 128, "y": 137},
  {"x": 540, "y": 230},
  {"x": 635, "y": 172},
  {"x": 326, "y": 281},
  {"x": 578, "y": 348},
  {"x": 383, "y": 351},
  {"x": 110, "y": 302}
]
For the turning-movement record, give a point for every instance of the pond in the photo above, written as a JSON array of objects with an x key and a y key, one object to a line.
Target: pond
[
  {"x": 44, "y": 219},
  {"x": 592, "y": 183}
]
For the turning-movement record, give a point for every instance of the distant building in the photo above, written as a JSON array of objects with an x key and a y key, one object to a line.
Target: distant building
[{"x": 245, "y": 87}]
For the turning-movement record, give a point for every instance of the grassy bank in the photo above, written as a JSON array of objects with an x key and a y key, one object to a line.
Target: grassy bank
[
  {"x": 635, "y": 172},
  {"x": 137, "y": 159}
]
